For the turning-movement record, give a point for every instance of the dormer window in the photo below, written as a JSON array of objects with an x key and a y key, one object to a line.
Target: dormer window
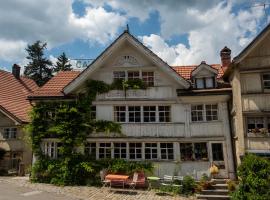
[{"x": 207, "y": 82}]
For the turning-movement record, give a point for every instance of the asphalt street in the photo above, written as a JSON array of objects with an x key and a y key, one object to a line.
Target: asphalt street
[{"x": 13, "y": 192}]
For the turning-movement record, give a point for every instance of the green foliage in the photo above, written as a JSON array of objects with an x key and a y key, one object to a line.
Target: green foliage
[
  {"x": 189, "y": 185},
  {"x": 62, "y": 63},
  {"x": 2, "y": 153},
  {"x": 231, "y": 185},
  {"x": 254, "y": 179},
  {"x": 81, "y": 170},
  {"x": 128, "y": 84},
  {"x": 171, "y": 189},
  {"x": 39, "y": 67}
]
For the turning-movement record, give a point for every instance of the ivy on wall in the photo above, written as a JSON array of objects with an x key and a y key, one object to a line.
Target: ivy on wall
[{"x": 70, "y": 122}]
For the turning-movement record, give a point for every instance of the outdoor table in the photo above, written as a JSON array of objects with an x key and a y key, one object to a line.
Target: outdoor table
[
  {"x": 114, "y": 178},
  {"x": 152, "y": 179}
]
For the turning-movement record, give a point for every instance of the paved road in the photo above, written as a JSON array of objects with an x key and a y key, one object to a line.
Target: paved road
[{"x": 12, "y": 192}]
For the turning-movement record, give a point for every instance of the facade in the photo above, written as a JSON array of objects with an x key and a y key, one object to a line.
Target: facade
[
  {"x": 14, "y": 108},
  {"x": 180, "y": 122},
  {"x": 249, "y": 75}
]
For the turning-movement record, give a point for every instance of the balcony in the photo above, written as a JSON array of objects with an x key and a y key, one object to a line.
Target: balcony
[{"x": 159, "y": 92}]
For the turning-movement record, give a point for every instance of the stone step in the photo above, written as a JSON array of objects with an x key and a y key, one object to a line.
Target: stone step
[
  {"x": 215, "y": 192},
  {"x": 220, "y": 186},
  {"x": 219, "y": 181},
  {"x": 213, "y": 197}
]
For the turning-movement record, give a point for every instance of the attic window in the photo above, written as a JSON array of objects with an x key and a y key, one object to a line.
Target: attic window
[{"x": 202, "y": 83}]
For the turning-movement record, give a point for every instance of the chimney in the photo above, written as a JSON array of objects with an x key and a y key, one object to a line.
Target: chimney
[
  {"x": 16, "y": 71},
  {"x": 225, "y": 55}
]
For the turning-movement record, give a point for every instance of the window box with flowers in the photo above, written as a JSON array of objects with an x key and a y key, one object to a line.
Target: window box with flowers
[{"x": 256, "y": 126}]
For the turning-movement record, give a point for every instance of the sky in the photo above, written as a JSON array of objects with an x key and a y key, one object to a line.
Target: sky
[{"x": 181, "y": 32}]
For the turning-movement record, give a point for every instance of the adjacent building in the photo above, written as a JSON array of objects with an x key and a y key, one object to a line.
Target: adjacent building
[
  {"x": 14, "y": 108},
  {"x": 180, "y": 122},
  {"x": 249, "y": 75}
]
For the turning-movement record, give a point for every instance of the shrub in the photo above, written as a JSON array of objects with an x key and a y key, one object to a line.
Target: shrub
[
  {"x": 254, "y": 178},
  {"x": 81, "y": 170},
  {"x": 189, "y": 185},
  {"x": 231, "y": 185}
]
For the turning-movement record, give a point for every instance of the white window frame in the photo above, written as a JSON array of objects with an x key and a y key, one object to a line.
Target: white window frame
[
  {"x": 149, "y": 115},
  {"x": 118, "y": 112},
  {"x": 50, "y": 149},
  {"x": 106, "y": 147},
  {"x": 90, "y": 149},
  {"x": 166, "y": 149},
  {"x": 120, "y": 150},
  {"x": 193, "y": 156},
  {"x": 166, "y": 113},
  {"x": 151, "y": 148},
  {"x": 148, "y": 77},
  {"x": 212, "y": 111},
  {"x": 119, "y": 75},
  {"x": 196, "y": 112},
  {"x": 136, "y": 152},
  {"x": 266, "y": 81},
  {"x": 10, "y": 133},
  {"x": 132, "y": 114},
  {"x": 204, "y": 114}
]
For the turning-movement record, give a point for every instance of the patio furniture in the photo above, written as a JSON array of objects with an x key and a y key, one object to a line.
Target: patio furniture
[
  {"x": 137, "y": 180},
  {"x": 152, "y": 180},
  {"x": 117, "y": 180},
  {"x": 178, "y": 178},
  {"x": 103, "y": 180},
  {"x": 167, "y": 180}
]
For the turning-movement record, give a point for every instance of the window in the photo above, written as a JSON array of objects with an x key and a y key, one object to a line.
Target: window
[
  {"x": 211, "y": 112},
  {"x": 164, "y": 113},
  {"x": 217, "y": 152},
  {"x": 254, "y": 123},
  {"x": 150, "y": 151},
  {"x": 186, "y": 151},
  {"x": 149, "y": 113},
  {"x": 134, "y": 114},
  {"x": 93, "y": 113},
  {"x": 133, "y": 75},
  {"x": 120, "y": 150},
  {"x": 200, "y": 151},
  {"x": 105, "y": 150},
  {"x": 50, "y": 149},
  {"x": 90, "y": 149},
  {"x": 166, "y": 150},
  {"x": 266, "y": 81},
  {"x": 148, "y": 78},
  {"x": 199, "y": 83},
  {"x": 194, "y": 151},
  {"x": 120, "y": 113},
  {"x": 119, "y": 75},
  {"x": 209, "y": 82},
  {"x": 10, "y": 133},
  {"x": 135, "y": 151},
  {"x": 197, "y": 113}
]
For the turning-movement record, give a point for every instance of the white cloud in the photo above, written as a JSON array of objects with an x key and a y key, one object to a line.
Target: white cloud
[
  {"x": 222, "y": 27},
  {"x": 52, "y": 21},
  {"x": 11, "y": 50}
]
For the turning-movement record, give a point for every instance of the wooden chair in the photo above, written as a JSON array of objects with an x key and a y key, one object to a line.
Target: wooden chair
[
  {"x": 104, "y": 182},
  {"x": 138, "y": 180},
  {"x": 134, "y": 181}
]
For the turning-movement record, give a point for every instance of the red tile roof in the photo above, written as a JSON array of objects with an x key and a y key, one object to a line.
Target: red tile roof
[
  {"x": 55, "y": 86},
  {"x": 185, "y": 71},
  {"x": 13, "y": 95}
]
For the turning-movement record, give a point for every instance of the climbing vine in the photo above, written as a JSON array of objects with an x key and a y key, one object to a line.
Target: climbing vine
[{"x": 70, "y": 122}]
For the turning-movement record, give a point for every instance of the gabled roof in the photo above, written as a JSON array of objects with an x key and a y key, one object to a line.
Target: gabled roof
[
  {"x": 203, "y": 65},
  {"x": 13, "y": 96},
  {"x": 124, "y": 36},
  {"x": 54, "y": 87},
  {"x": 252, "y": 44},
  {"x": 186, "y": 71}
]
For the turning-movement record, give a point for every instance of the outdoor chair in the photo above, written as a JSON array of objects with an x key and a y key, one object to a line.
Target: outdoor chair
[
  {"x": 104, "y": 182},
  {"x": 167, "y": 180},
  {"x": 138, "y": 179},
  {"x": 178, "y": 179}
]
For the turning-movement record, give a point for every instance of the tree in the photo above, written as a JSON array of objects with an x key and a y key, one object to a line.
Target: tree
[
  {"x": 39, "y": 67},
  {"x": 62, "y": 63}
]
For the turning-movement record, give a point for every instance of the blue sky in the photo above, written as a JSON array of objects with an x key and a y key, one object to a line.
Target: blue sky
[{"x": 180, "y": 32}]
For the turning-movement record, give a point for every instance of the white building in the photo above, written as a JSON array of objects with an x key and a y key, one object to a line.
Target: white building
[{"x": 180, "y": 122}]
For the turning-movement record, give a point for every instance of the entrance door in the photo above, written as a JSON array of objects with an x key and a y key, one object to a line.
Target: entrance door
[{"x": 218, "y": 158}]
